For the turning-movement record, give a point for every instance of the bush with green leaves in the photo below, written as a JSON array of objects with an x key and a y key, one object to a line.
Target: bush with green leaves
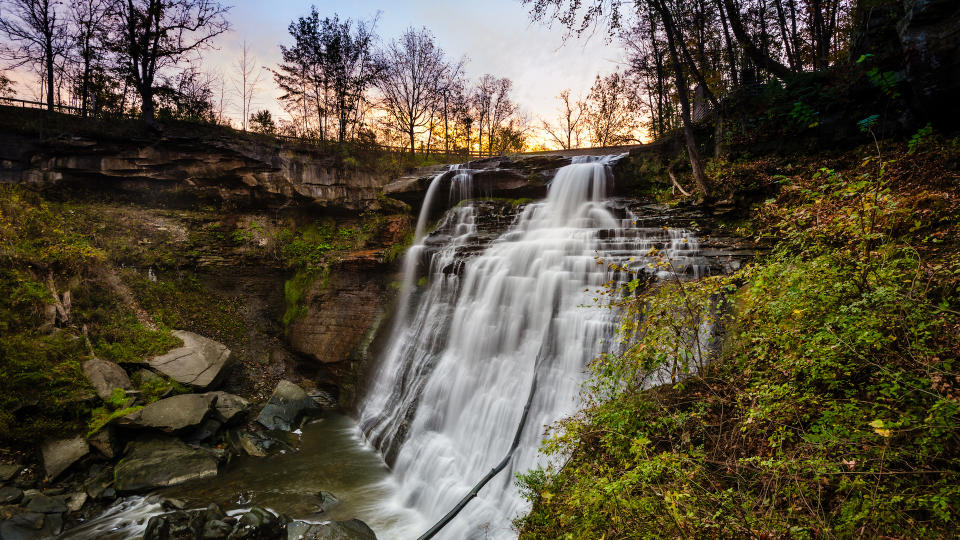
[{"x": 832, "y": 408}]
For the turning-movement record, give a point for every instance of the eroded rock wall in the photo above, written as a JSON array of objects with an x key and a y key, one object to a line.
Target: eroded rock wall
[{"x": 183, "y": 169}]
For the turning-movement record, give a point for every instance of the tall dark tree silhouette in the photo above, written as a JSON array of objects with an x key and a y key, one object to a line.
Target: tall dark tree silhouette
[
  {"x": 327, "y": 71},
  {"x": 412, "y": 82},
  {"x": 89, "y": 18},
  {"x": 150, "y": 36}
]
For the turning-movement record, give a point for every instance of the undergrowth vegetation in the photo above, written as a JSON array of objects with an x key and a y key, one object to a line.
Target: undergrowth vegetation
[
  {"x": 70, "y": 290},
  {"x": 829, "y": 407}
]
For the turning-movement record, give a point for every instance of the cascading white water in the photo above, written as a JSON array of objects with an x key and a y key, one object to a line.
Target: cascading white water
[{"x": 450, "y": 390}]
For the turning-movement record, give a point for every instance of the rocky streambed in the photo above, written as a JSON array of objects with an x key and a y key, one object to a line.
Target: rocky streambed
[{"x": 115, "y": 481}]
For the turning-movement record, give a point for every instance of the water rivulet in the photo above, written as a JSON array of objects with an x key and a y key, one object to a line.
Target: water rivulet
[{"x": 490, "y": 315}]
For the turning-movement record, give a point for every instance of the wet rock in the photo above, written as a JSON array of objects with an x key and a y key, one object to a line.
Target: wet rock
[
  {"x": 75, "y": 501},
  {"x": 228, "y": 408},
  {"x": 7, "y": 472},
  {"x": 205, "y": 431},
  {"x": 260, "y": 522},
  {"x": 31, "y": 526},
  {"x": 216, "y": 529},
  {"x": 286, "y": 406},
  {"x": 10, "y": 495},
  {"x": 197, "y": 363},
  {"x": 47, "y": 505},
  {"x": 60, "y": 454},
  {"x": 178, "y": 504},
  {"x": 171, "y": 414},
  {"x": 100, "y": 485},
  {"x": 159, "y": 462},
  {"x": 214, "y": 512},
  {"x": 105, "y": 376},
  {"x": 158, "y": 528},
  {"x": 105, "y": 441},
  {"x": 353, "y": 529},
  {"x": 250, "y": 445},
  {"x": 326, "y": 501},
  {"x": 257, "y": 444}
]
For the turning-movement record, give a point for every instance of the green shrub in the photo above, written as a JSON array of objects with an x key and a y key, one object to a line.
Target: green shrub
[{"x": 831, "y": 410}]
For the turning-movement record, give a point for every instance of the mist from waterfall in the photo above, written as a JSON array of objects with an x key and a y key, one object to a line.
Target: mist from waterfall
[{"x": 451, "y": 386}]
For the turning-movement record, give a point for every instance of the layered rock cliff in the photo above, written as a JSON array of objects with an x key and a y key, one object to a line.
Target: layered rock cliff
[{"x": 179, "y": 165}]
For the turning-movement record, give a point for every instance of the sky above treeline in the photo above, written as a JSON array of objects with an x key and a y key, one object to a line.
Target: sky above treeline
[{"x": 496, "y": 36}]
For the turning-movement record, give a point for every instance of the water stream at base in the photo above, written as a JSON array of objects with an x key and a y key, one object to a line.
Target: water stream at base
[
  {"x": 450, "y": 390},
  {"x": 331, "y": 457}
]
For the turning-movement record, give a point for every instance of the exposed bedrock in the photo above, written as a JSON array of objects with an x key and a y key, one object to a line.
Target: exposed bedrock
[{"x": 184, "y": 169}]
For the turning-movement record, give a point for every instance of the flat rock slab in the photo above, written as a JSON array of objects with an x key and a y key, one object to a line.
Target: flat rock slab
[
  {"x": 47, "y": 505},
  {"x": 31, "y": 526},
  {"x": 10, "y": 495},
  {"x": 171, "y": 414},
  {"x": 160, "y": 462},
  {"x": 60, "y": 454},
  {"x": 8, "y": 471},
  {"x": 105, "y": 376},
  {"x": 198, "y": 363},
  {"x": 286, "y": 407}
]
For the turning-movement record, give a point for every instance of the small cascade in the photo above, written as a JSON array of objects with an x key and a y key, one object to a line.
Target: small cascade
[{"x": 490, "y": 316}]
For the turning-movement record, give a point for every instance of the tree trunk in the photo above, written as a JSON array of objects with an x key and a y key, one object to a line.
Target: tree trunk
[
  {"x": 446, "y": 131},
  {"x": 146, "y": 104},
  {"x": 682, "y": 93},
  {"x": 49, "y": 60},
  {"x": 758, "y": 56},
  {"x": 413, "y": 147},
  {"x": 731, "y": 55},
  {"x": 85, "y": 85}
]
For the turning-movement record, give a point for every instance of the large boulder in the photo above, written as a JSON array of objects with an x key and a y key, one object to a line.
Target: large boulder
[
  {"x": 105, "y": 376},
  {"x": 8, "y": 471},
  {"x": 160, "y": 462},
  {"x": 286, "y": 407},
  {"x": 171, "y": 414},
  {"x": 228, "y": 408},
  {"x": 197, "y": 363},
  {"x": 60, "y": 454},
  {"x": 31, "y": 526}
]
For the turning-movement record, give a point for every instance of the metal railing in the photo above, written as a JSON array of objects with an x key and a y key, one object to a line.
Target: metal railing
[{"x": 422, "y": 150}]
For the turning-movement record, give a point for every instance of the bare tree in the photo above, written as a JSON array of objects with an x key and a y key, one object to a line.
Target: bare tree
[
  {"x": 569, "y": 127},
  {"x": 494, "y": 107},
  {"x": 153, "y": 35},
  {"x": 89, "y": 17},
  {"x": 610, "y": 117},
  {"x": 680, "y": 82},
  {"x": 414, "y": 69},
  {"x": 248, "y": 76},
  {"x": 38, "y": 35}
]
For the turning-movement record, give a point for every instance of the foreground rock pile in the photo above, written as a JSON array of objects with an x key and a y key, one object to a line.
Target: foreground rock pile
[
  {"x": 257, "y": 522},
  {"x": 146, "y": 446}
]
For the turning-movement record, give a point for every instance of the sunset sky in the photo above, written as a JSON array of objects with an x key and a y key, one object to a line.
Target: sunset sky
[{"x": 496, "y": 36}]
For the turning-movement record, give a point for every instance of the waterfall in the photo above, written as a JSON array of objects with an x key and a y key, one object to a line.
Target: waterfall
[{"x": 450, "y": 388}]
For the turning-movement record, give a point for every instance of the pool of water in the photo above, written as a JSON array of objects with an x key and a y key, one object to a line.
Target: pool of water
[{"x": 332, "y": 457}]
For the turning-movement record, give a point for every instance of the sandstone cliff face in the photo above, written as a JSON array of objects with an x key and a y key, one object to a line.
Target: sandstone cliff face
[
  {"x": 342, "y": 309},
  {"x": 240, "y": 172}
]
